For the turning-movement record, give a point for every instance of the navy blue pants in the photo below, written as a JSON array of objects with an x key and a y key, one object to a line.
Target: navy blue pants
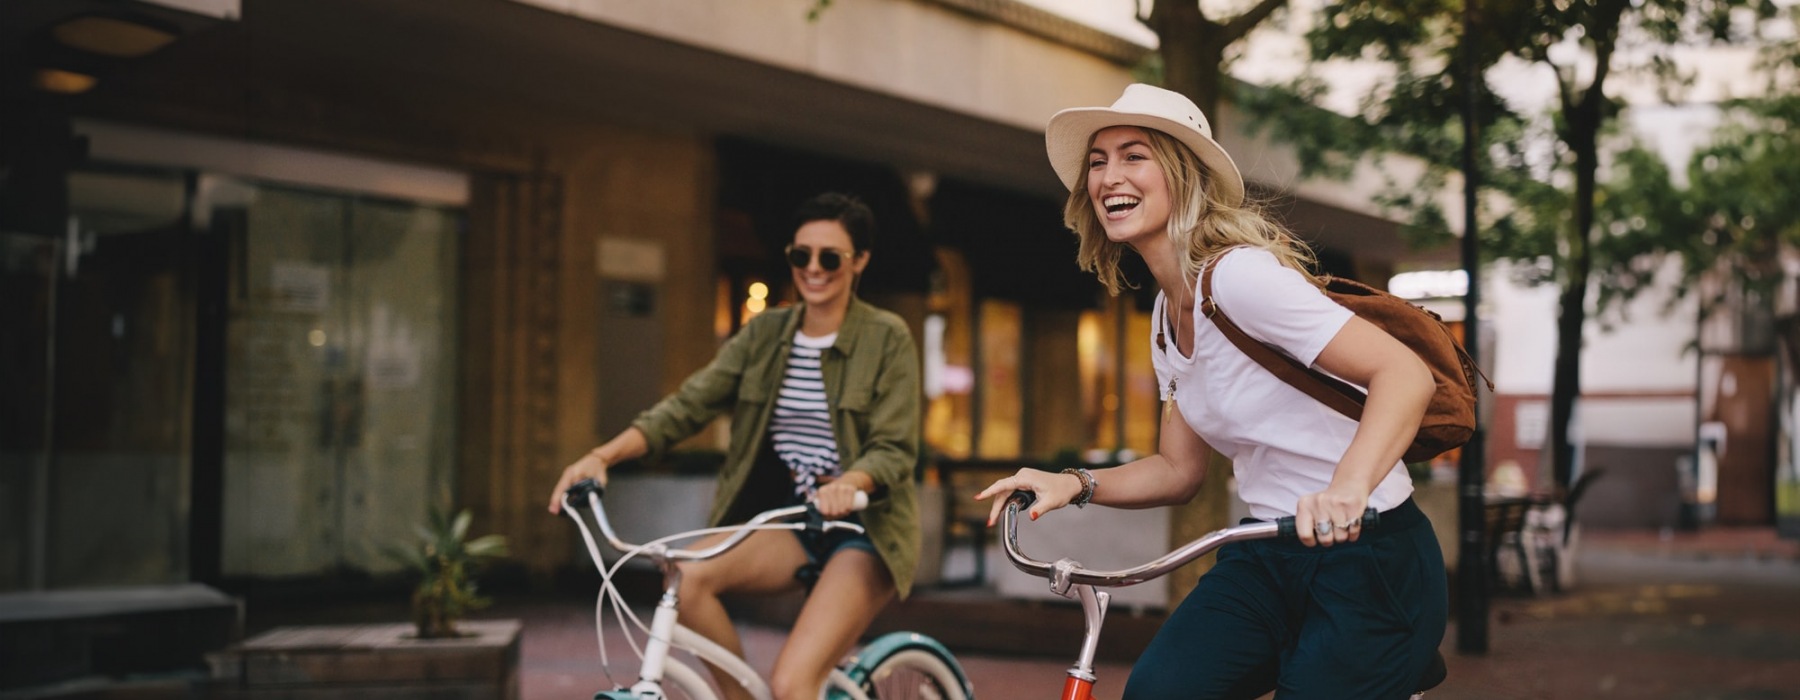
[{"x": 1359, "y": 620}]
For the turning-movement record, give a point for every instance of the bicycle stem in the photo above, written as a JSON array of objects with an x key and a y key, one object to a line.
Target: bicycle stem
[{"x": 1093, "y": 612}]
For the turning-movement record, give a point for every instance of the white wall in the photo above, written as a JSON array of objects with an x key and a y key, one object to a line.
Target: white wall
[{"x": 1638, "y": 373}]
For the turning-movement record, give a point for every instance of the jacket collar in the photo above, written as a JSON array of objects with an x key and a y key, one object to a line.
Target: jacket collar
[{"x": 854, "y": 318}]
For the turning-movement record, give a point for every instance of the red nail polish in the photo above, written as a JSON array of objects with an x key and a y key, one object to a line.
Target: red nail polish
[{"x": 1034, "y": 516}]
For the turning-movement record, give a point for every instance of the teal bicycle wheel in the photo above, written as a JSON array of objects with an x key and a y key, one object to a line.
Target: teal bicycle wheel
[{"x": 909, "y": 666}]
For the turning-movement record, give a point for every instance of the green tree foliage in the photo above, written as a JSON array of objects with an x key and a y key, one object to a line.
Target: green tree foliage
[
  {"x": 1552, "y": 211},
  {"x": 1743, "y": 185}
]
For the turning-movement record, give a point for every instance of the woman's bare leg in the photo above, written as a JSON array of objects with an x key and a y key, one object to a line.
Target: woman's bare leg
[
  {"x": 762, "y": 564},
  {"x": 851, "y": 590}
]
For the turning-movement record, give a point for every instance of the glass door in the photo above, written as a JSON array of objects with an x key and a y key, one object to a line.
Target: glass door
[
  {"x": 340, "y": 360},
  {"x": 96, "y": 448}
]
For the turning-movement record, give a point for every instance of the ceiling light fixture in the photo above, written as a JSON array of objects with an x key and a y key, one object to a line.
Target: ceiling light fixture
[
  {"x": 111, "y": 36},
  {"x": 63, "y": 82}
]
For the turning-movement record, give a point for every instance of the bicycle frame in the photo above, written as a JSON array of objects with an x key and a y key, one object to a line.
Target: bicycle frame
[{"x": 665, "y": 632}]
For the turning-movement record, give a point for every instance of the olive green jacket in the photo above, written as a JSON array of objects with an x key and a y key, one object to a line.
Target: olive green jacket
[{"x": 872, "y": 385}]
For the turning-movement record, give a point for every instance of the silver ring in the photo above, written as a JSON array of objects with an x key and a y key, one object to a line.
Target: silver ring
[{"x": 1323, "y": 528}]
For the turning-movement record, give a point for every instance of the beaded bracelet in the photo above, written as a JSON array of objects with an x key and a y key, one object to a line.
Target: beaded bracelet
[{"x": 1087, "y": 486}]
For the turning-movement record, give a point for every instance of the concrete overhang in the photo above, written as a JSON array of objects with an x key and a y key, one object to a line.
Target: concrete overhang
[
  {"x": 925, "y": 86},
  {"x": 507, "y": 56}
]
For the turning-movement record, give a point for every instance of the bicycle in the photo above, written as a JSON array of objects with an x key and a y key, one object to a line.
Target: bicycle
[
  {"x": 1070, "y": 580},
  {"x": 893, "y": 666}
]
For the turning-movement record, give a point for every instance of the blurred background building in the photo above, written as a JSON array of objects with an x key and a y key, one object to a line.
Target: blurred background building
[
  {"x": 279, "y": 276},
  {"x": 283, "y": 274}
]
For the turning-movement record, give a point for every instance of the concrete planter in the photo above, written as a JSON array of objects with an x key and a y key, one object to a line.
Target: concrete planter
[{"x": 374, "y": 662}]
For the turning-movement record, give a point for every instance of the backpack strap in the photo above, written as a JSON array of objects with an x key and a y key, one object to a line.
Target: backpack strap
[{"x": 1328, "y": 390}]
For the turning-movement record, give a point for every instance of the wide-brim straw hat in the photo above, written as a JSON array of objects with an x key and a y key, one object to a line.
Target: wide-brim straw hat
[{"x": 1147, "y": 106}]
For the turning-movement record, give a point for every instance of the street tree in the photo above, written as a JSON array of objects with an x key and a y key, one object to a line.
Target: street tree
[
  {"x": 1192, "y": 46},
  {"x": 1549, "y": 172}
]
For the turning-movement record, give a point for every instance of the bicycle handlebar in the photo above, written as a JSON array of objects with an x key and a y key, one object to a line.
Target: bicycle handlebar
[
  {"x": 588, "y": 493},
  {"x": 1064, "y": 572}
]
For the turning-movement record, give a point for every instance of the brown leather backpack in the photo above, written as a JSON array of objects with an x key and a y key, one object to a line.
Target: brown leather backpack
[{"x": 1450, "y": 417}]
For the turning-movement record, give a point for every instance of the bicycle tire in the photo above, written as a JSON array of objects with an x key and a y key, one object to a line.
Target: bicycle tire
[{"x": 913, "y": 674}]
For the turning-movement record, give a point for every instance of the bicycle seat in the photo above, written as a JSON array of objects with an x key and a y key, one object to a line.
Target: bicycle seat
[{"x": 1434, "y": 673}]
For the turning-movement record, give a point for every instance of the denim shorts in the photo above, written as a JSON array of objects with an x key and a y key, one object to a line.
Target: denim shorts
[{"x": 820, "y": 546}]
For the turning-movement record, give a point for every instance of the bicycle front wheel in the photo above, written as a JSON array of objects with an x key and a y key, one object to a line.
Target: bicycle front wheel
[{"x": 913, "y": 674}]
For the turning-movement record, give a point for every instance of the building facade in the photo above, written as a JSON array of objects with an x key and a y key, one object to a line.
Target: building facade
[{"x": 282, "y": 275}]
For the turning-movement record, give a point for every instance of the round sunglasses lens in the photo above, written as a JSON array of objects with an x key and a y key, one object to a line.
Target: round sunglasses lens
[
  {"x": 830, "y": 260},
  {"x": 799, "y": 257}
]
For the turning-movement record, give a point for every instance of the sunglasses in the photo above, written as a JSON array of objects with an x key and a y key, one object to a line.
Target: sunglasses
[{"x": 829, "y": 258}]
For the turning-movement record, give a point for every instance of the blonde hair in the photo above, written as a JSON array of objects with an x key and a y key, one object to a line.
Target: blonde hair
[{"x": 1199, "y": 222}]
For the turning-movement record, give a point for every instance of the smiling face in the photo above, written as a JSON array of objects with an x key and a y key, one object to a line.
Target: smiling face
[
  {"x": 1127, "y": 186},
  {"x": 819, "y": 287}
]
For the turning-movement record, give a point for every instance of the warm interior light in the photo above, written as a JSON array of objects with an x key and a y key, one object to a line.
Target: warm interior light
[
  {"x": 759, "y": 290},
  {"x": 109, "y": 36},
  {"x": 64, "y": 82}
]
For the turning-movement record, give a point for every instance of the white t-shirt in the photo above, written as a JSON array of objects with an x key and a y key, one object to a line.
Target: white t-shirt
[{"x": 1282, "y": 443}]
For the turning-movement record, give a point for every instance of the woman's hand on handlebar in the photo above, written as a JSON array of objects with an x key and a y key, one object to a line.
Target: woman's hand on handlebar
[
  {"x": 590, "y": 466},
  {"x": 1330, "y": 516},
  {"x": 837, "y": 497},
  {"x": 1054, "y": 490}
]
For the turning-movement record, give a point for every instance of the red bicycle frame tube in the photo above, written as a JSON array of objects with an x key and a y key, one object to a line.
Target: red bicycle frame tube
[{"x": 1077, "y": 689}]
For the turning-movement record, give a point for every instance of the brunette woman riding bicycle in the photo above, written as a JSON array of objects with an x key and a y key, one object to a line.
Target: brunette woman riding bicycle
[
  {"x": 1345, "y": 612},
  {"x": 824, "y": 397}
]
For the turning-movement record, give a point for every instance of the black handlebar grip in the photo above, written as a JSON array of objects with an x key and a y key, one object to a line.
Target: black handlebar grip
[
  {"x": 577, "y": 494},
  {"x": 1286, "y": 529},
  {"x": 1024, "y": 498}
]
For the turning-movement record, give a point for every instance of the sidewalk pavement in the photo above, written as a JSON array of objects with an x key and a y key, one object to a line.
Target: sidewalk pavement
[
  {"x": 1686, "y": 616},
  {"x": 1682, "y": 616}
]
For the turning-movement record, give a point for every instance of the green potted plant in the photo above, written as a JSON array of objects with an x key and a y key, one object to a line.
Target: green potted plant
[{"x": 448, "y": 565}]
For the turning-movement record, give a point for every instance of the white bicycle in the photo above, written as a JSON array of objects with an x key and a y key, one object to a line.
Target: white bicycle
[{"x": 894, "y": 666}]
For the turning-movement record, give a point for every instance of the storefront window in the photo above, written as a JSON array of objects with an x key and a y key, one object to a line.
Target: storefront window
[
  {"x": 999, "y": 381},
  {"x": 98, "y": 419},
  {"x": 340, "y": 392},
  {"x": 949, "y": 362}
]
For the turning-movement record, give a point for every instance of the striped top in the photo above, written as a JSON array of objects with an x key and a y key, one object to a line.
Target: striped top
[{"x": 800, "y": 429}]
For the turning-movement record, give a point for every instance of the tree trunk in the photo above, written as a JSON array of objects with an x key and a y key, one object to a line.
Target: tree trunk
[
  {"x": 1582, "y": 137},
  {"x": 1192, "y": 49}
]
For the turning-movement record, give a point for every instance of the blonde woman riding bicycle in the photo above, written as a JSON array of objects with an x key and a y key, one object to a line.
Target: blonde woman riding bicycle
[{"x": 1345, "y": 612}]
